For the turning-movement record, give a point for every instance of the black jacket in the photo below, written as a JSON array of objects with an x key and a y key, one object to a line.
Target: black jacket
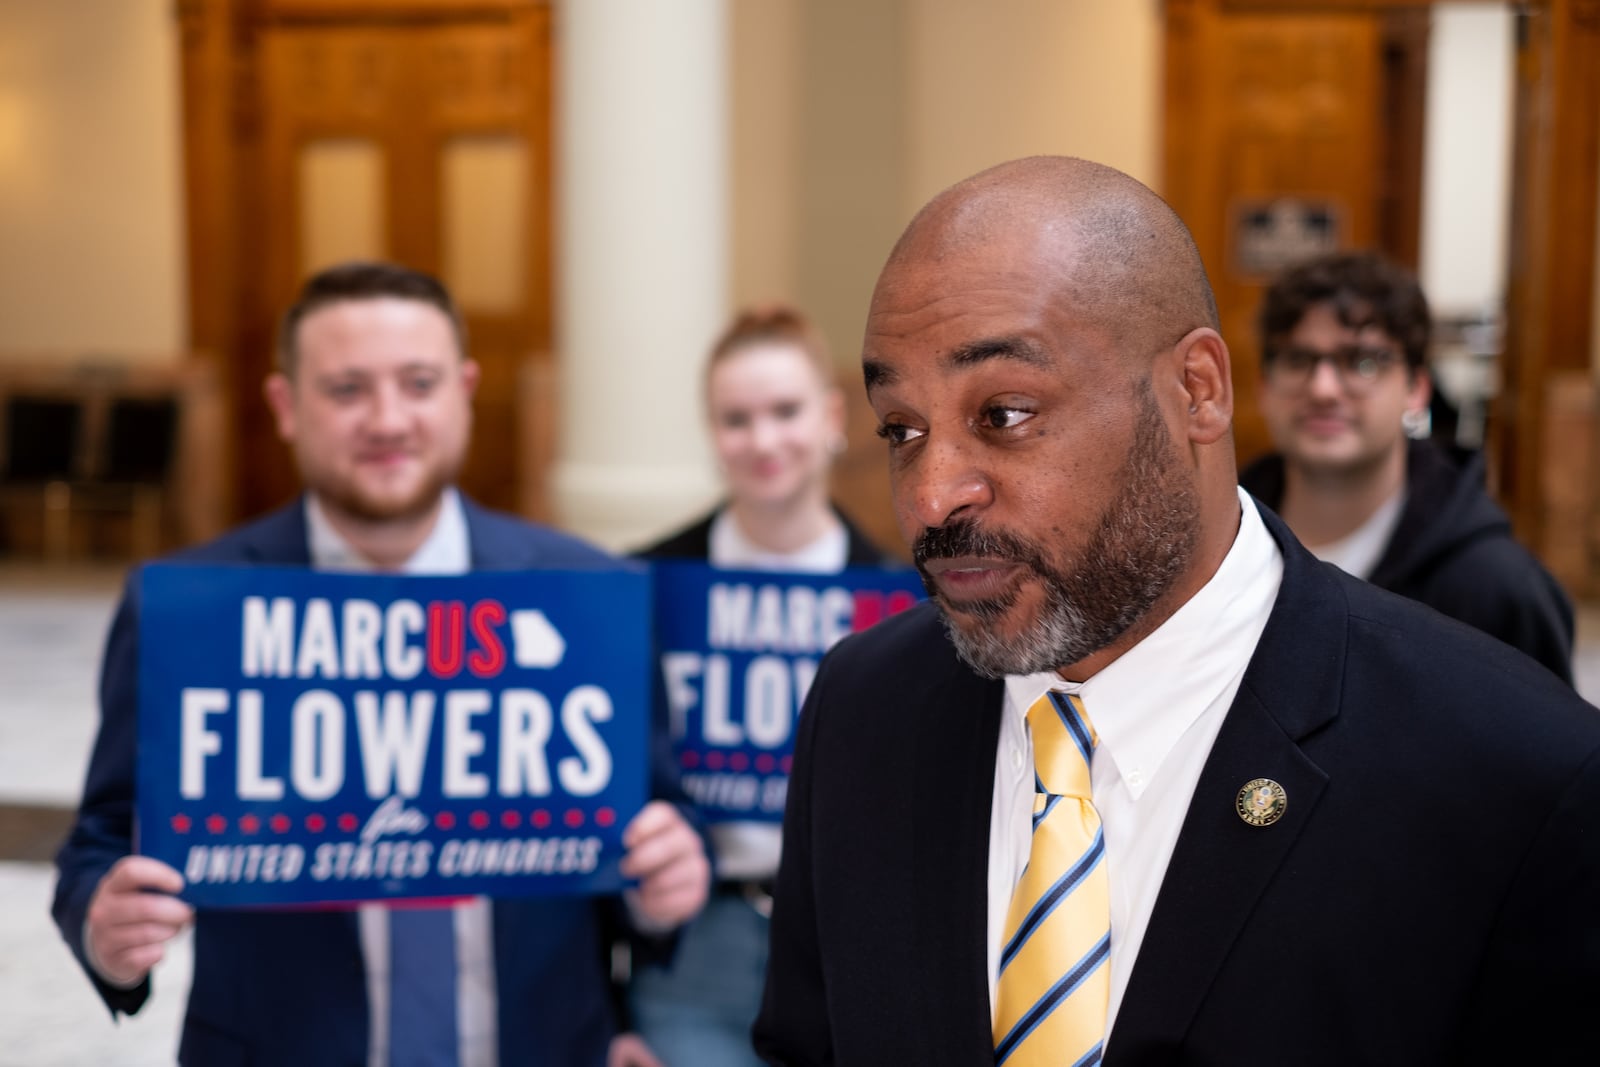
[
  {"x": 1453, "y": 550},
  {"x": 1426, "y": 900}
]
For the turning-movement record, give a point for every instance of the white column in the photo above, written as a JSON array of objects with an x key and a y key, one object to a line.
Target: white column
[{"x": 641, "y": 272}]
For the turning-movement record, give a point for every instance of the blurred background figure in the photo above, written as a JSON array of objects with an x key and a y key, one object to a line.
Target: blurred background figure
[
  {"x": 1345, "y": 391},
  {"x": 777, "y": 422}
]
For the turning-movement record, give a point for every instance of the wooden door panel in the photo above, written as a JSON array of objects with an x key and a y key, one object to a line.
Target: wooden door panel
[
  {"x": 315, "y": 85},
  {"x": 1267, "y": 110}
]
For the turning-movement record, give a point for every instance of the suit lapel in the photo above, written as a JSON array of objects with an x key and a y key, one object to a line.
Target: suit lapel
[
  {"x": 957, "y": 732},
  {"x": 1222, "y": 865},
  {"x": 279, "y": 537},
  {"x": 1217, "y": 873}
]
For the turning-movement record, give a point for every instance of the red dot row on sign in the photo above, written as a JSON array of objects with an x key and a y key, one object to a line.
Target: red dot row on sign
[
  {"x": 765, "y": 763},
  {"x": 444, "y": 820}
]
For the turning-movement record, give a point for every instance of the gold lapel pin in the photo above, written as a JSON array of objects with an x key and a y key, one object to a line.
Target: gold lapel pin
[{"x": 1261, "y": 802}]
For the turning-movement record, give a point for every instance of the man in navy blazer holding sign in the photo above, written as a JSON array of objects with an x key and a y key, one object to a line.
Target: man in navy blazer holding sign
[
  {"x": 373, "y": 393},
  {"x": 1146, "y": 783}
]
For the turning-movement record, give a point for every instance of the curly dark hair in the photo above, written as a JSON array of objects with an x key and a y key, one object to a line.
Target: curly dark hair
[
  {"x": 362, "y": 281},
  {"x": 1364, "y": 289}
]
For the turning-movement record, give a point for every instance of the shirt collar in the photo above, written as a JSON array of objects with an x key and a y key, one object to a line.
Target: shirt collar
[
  {"x": 1142, "y": 702},
  {"x": 447, "y": 549}
]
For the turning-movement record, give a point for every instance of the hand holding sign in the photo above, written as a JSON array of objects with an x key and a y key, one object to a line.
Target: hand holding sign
[
  {"x": 132, "y": 916},
  {"x": 630, "y": 1050},
  {"x": 667, "y": 857}
]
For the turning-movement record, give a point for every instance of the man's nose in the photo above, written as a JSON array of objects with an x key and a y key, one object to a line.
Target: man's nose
[
  {"x": 389, "y": 411},
  {"x": 1325, "y": 379},
  {"x": 943, "y": 483}
]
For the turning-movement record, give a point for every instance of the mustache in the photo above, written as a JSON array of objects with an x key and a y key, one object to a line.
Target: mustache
[{"x": 965, "y": 537}]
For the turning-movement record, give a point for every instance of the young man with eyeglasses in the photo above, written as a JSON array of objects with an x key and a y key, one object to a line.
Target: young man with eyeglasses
[{"x": 1344, "y": 390}]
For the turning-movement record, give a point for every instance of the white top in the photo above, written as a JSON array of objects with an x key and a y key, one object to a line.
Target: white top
[
  {"x": 751, "y": 849},
  {"x": 448, "y": 550},
  {"x": 1358, "y": 552},
  {"x": 1157, "y": 710},
  {"x": 730, "y": 548}
]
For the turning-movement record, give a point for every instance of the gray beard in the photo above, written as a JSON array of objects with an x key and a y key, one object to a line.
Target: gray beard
[
  {"x": 1142, "y": 544},
  {"x": 1062, "y": 635}
]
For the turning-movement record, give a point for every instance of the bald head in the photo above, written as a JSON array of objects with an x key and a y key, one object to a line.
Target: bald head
[
  {"x": 1043, "y": 359},
  {"x": 1116, "y": 254}
]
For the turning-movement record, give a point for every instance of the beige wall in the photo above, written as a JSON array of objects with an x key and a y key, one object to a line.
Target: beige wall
[
  {"x": 1009, "y": 78},
  {"x": 852, "y": 159},
  {"x": 91, "y": 243},
  {"x": 764, "y": 93},
  {"x": 848, "y": 116},
  {"x": 816, "y": 148}
]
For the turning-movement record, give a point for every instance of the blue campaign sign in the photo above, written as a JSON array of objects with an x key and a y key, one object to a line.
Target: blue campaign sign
[
  {"x": 738, "y": 652},
  {"x": 310, "y": 737}
]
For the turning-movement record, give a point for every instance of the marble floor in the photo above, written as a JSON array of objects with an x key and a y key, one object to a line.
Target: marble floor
[
  {"x": 49, "y": 1014},
  {"x": 52, "y": 622}
]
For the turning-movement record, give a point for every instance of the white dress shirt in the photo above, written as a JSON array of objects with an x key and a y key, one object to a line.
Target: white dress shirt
[
  {"x": 448, "y": 550},
  {"x": 750, "y": 850},
  {"x": 1157, "y": 710}
]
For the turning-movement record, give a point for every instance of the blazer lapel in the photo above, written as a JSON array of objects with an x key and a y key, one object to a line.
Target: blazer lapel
[
  {"x": 279, "y": 537},
  {"x": 1221, "y": 864},
  {"x": 956, "y": 740}
]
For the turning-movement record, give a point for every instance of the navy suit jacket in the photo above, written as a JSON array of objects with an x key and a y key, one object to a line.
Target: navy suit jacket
[
  {"x": 1431, "y": 894},
  {"x": 290, "y": 987}
]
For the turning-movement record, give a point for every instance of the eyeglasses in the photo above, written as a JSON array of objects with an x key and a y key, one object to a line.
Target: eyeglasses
[{"x": 1357, "y": 366}]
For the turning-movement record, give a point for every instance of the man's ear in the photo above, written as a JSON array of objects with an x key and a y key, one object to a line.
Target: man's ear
[
  {"x": 1207, "y": 384},
  {"x": 279, "y": 393},
  {"x": 1420, "y": 389},
  {"x": 470, "y": 374}
]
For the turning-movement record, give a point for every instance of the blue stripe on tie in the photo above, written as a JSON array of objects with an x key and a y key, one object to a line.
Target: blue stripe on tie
[
  {"x": 1074, "y": 724},
  {"x": 1052, "y": 898},
  {"x": 1049, "y": 806},
  {"x": 1052, "y": 998},
  {"x": 1091, "y": 1057}
]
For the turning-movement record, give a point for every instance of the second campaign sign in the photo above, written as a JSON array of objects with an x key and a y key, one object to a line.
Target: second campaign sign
[
  {"x": 310, "y": 737},
  {"x": 739, "y": 651}
]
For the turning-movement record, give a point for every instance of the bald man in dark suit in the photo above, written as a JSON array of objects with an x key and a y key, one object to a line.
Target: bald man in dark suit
[{"x": 1324, "y": 825}]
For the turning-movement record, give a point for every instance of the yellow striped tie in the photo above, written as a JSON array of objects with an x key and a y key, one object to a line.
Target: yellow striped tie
[{"x": 1055, "y": 976}]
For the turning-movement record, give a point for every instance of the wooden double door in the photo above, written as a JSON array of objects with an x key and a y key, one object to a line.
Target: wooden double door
[{"x": 411, "y": 130}]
